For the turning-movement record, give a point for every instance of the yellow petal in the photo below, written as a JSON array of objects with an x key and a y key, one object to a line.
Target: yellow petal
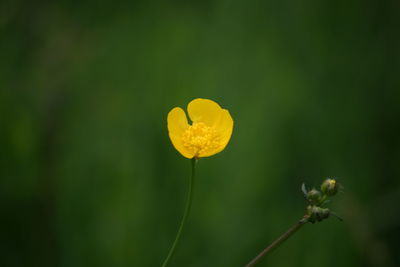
[
  {"x": 224, "y": 128},
  {"x": 225, "y": 124},
  {"x": 177, "y": 121},
  {"x": 204, "y": 110},
  {"x": 177, "y": 124}
]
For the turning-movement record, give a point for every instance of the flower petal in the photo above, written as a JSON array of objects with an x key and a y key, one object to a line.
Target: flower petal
[
  {"x": 177, "y": 124},
  {"x": 225, "y": 123},
  {"x": 224, "y": 128},
  {"x": 177, "y": 121},
  {"x": 204, "y": 110}
]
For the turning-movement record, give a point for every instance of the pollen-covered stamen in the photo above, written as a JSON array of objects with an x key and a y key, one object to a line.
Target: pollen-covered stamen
[{"x": 200, "y": 138}]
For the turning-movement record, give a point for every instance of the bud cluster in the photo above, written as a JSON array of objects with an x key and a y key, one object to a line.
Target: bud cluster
[{"x": 316, "y": 199}]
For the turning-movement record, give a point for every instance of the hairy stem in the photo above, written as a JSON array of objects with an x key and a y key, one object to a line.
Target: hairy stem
[{"x": 278, "y": 241}]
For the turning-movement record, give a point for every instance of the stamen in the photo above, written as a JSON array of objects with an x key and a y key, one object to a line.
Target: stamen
[{"x": 200, "y": 138}]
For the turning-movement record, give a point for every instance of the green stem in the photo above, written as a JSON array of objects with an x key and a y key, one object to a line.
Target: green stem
[
  {"x": 185, "y": 215},
  {"x": 278, "y": 241},
  {"x": 324, "y": 197}
]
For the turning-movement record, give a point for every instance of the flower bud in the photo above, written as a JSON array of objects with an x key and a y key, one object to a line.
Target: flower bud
[
  {"x": 314, "y": 196},
  {"x": 324, "y": 213},
  {"x": 329, "y": 187},
  {"x": 317, "y": 214}
]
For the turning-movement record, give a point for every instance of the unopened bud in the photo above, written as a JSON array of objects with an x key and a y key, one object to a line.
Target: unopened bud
[
  {"x": 329, "y": 187},
  {"x": 317, "y": 214},
  {"x": 314, "y": 196}
]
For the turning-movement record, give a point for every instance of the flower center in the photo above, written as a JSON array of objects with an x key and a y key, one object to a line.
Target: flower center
[{"x": 199, "y": 138}]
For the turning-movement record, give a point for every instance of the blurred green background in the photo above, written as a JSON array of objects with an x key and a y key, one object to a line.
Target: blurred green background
[{"x": 88, "y": 176}]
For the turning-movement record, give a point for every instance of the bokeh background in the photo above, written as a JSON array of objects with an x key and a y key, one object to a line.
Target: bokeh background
[{"x": 88, "y": 176}]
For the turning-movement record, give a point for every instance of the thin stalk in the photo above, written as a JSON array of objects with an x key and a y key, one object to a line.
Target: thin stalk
[
  {"x": 185, "y": 214},
  {"x": 278, "y": 241}
]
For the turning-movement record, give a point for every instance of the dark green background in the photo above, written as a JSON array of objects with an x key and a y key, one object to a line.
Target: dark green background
[{"x": 88, "y": 176}]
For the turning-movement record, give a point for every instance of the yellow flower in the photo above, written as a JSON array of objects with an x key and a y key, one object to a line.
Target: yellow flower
[{"x": 209, "y": 133}]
